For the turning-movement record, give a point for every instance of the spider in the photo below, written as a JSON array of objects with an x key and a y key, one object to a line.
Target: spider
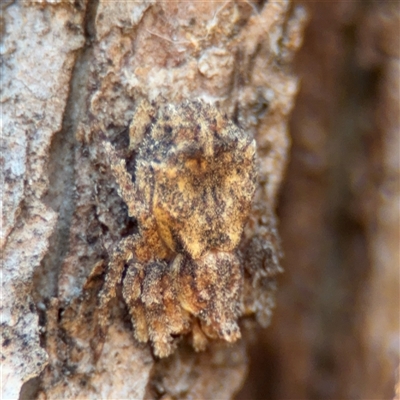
[{"x": 195, "y": 179}]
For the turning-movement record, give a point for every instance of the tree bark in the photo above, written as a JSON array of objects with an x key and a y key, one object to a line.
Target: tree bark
[
  {"x": 74, "y": 72},
  {"x": 336, "y": 327}
]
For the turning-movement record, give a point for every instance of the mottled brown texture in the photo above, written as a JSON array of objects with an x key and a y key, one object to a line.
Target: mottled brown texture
[
  {"x": 191, "y": 194},
  {"x": 336, "y": 329},
  {"x": 75, "y": 72}
]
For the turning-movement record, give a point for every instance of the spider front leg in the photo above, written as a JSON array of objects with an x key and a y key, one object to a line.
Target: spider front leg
[
  {"x": 151, "y": 296},
  {"x": 120, "y": 256},
  {"x": 132, "y": 291},
  {"x": 210, "y": 289},
  {"x": 126, "y": 188},
  {"x": 122, "y": 253}
]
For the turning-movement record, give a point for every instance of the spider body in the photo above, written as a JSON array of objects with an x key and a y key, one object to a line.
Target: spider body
[{"x": 195, "y": 179}]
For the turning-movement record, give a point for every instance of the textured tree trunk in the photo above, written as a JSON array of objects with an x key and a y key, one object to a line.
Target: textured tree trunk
[
  {"x": 74, "y": 72},
  {"x": 335, "y": 332}
]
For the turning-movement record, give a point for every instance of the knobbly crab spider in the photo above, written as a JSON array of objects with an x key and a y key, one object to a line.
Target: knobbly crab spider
[{"x": 195, "y": 179}]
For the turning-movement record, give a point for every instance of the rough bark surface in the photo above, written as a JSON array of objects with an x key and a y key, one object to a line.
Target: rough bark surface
[
  {"x": 75, "y": 69},
  {"x": 73, "y": 73},
  {"x": 38, "y": 54},
  {"x": 335, "y": 332}
]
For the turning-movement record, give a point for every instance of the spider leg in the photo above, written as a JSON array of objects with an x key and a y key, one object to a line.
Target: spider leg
[
  {"x": 126, "y": 188},
  {"x": 157, "y": 293},
  {"x": 211, "y": 290},
  {"x": 132, "y": 292},
  {"x": 154, "y": 307},
  {"x": 122, "y": 254}
]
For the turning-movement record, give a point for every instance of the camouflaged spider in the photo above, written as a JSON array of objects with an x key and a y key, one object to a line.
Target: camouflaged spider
[{"x": 195, "y": 178}]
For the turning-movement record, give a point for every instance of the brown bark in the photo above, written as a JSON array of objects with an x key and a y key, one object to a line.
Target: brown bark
[
  {"x": 335, "y": 333},
  {"x": 74, "y": 71}
]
